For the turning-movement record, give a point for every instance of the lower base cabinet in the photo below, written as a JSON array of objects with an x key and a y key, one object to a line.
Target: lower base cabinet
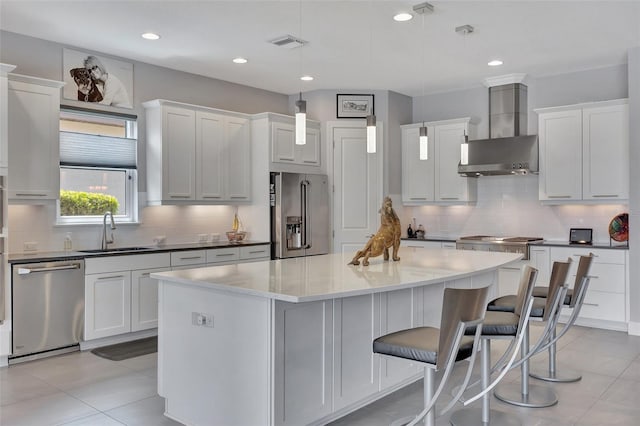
[{"x": 120, "y": 297}]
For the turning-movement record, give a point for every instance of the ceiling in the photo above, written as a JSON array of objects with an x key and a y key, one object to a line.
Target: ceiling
[{"x": 353, "y": 45}]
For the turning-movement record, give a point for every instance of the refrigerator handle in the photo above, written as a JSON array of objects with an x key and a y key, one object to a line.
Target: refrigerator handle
[{"x": 304, "y": 210}]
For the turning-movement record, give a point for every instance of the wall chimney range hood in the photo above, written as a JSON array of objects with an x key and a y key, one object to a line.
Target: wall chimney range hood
[{"x": 506, "y": 151}]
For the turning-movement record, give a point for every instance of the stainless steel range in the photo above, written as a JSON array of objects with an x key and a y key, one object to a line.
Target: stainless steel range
[{"x": 500, "y": 244}]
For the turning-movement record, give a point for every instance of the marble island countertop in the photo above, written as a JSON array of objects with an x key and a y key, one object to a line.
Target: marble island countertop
[{"x": 329, "y": 276}]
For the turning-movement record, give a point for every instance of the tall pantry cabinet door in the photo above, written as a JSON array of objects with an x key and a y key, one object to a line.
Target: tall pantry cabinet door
[
  {"x": 238, "y": 158},
  {"x": 560, "y": 137},
  {"x": 606, "y": 152},
  {"x": 34, "y": 142},
  {"x": 178, "y": 154},
  {"x": 210, "y": 159},
  {"x": 417, "y": 175}
]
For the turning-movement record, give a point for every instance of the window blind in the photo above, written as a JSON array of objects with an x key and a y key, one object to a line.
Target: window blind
[{"x": 81, "y": 149}]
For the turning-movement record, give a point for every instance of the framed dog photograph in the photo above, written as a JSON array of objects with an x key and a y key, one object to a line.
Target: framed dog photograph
[
  {"x": 354, "y": 106},
  {"x": 97, "y": 79}
]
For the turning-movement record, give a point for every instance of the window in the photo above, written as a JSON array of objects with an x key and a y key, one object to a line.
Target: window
[{"x": 97, "y": 167}]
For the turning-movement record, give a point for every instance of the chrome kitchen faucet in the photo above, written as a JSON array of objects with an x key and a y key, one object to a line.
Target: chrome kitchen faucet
[{"x": 105, "y": 241}]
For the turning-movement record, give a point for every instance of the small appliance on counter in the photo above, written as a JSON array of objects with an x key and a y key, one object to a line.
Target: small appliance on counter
[{"x": 582, "y": 236}]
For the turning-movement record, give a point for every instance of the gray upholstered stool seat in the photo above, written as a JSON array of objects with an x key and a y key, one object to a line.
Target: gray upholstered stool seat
[
  {"x": 497, "y": 323},
  {"x": 543, "y": 291},
  {"x": 418, "y": 344},
  {"x": 508, "y": 303}
]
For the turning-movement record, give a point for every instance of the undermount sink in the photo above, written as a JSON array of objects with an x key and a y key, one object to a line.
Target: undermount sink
[{"x": 115, "y": 249}]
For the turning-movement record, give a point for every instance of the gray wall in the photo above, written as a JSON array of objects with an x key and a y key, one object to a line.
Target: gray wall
[
  {"x": 41, "y": 58},
  {"x": 634, "y": 187}
]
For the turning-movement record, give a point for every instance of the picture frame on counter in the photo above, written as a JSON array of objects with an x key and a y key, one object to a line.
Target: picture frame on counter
[
  {"x": 96, "y": 80},
  {"x": 354, "y": 105}
]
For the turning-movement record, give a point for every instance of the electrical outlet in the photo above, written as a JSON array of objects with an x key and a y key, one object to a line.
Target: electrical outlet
[
  {"x": 30, "y": 246},
  {"x": 203, "y": 238},
  {"x": 200, "y": 319}
]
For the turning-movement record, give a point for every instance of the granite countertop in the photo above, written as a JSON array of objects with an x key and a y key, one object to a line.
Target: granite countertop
[
  {"x": 565, "y": 243},
  {"x": 16, "y": 258},
  {"x": 305, "y": 279}
]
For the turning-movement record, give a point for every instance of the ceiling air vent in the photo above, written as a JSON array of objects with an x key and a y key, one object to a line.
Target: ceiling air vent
[{"x": 288, "y": 42}]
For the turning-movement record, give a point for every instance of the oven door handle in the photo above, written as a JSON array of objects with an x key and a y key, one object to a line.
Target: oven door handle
[{"x": 25, "y": 271}]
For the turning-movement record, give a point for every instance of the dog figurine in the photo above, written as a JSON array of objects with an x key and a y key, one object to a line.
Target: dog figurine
[
  {"x": 87, "y": 89},
  {"x": 388, "y": 235}
]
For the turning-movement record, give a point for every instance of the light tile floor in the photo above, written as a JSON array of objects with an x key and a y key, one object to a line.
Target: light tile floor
[{"x": 83, "y": 389}]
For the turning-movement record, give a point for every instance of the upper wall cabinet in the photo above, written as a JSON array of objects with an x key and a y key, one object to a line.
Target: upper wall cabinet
[
  {"x": 584, "y": 152},
  {"x": 285, "y": 155},
  {"x": 197, "y": 155},
  {"x": 4, "y": 70},
  {"x": 436, "y": 180},
  {"x": 33, "y": 136}
]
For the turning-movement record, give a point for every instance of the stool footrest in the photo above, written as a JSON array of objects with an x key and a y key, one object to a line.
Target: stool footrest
[
  {"x": 538, "y": 396},
  {"x": 563, "y": 376}
]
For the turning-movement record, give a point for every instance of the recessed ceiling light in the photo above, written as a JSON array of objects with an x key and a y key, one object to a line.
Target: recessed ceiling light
[
  {"x": 403, "y": 17},
  {"x": 239, "y": 60},
  {"x": 306, "y": 78},
  {"x": 150, "y": 36},
  {"x": 495, "y": 63}
]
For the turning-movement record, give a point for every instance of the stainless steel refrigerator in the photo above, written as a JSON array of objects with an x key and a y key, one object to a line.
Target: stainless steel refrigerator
[{"x": 299, "y": 215}]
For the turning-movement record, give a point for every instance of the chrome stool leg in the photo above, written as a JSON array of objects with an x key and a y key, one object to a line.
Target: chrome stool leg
[
  {"x": 470, "y": 416},
  {"x": 552, "y": 375},
  {"x": 526, "y": 395}
]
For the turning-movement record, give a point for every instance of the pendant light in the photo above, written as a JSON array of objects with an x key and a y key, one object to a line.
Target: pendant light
[
  {"x": 464, "y": 149},
  {"x": 371, "y": 119},
  {"x": 464, "y": 145},
  {"x": 424, "y": 143},
  {"x": 301, "y": 121},
  {"x": 301, "y": 105},
  {"x": 422, "y": 9}
]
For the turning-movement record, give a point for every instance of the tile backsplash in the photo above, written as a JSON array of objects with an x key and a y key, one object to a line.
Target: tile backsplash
[{"x": 509, "y": 206}]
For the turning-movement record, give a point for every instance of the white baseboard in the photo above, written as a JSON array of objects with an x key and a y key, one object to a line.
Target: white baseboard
[
  {"x": 4, "y": 361},
  {"x": 112, "y": 340},
  {"x": 634, "y": 328}
]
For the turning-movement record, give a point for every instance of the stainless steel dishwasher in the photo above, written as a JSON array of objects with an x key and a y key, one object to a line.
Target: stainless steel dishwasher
[{"x": 48, "y": 307}]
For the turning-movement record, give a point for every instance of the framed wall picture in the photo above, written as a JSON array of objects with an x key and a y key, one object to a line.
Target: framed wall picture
[
  {"x": 354, "y": 106},
  {"x": 97, "y": 79}
]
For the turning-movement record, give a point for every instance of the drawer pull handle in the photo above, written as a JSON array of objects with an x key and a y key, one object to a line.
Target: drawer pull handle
[
  {"x": 257, "y": 251},
  {"x": 110, "y": 277},
  {"x": 578, "y": 255},
  {"x": 418, "y": 198},
  {"x": 145, "y": 275},
  {"x": 449, "y": 198},
  {"x": 559, "y": 196},
  {"x": 590, "y": 304},
  {"x": 605, "y": 195},
  {"x": 191, "y": 257},
  {"x": 180, "y": 196},
  {"x": 225, "y": 254},
  {"x": 19, "y": 194}
]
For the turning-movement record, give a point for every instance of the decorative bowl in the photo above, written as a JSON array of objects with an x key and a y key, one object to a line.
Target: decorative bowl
[{"x": 236, "y": 236}]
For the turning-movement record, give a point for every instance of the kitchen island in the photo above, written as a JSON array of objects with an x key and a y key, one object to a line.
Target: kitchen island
[{"x": 288, "y": 342}]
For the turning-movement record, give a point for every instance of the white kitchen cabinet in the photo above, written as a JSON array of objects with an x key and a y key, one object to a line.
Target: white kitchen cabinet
[
  {"x": 255, "y": 253},
  {"x": 436, "y": 180},
  {"x": 144, "y": 299},
  {"x": 283, "y": 147},
  {"x": 584, "y": 152},
  {"x": 188, "y": 258},
  {"x": 509, "y": 276},
  {"x": 119, "y": 295},
  {"x": 4, "y": 83},
  {"x": 107, "y": 304},
  {"x": 605, "y": 302},
  {"x": 302, "y": 377},
  {"x": 197, "y": 155},
  {"x": 33, "y": 138}
]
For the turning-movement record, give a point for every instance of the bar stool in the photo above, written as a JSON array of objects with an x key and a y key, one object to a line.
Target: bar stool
[
  {"x": 573, "y": 299},
  {"x": 439, "y": 349},
  {"x": 499, "y": 325},
  {"x": 525, "y": 395}
]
